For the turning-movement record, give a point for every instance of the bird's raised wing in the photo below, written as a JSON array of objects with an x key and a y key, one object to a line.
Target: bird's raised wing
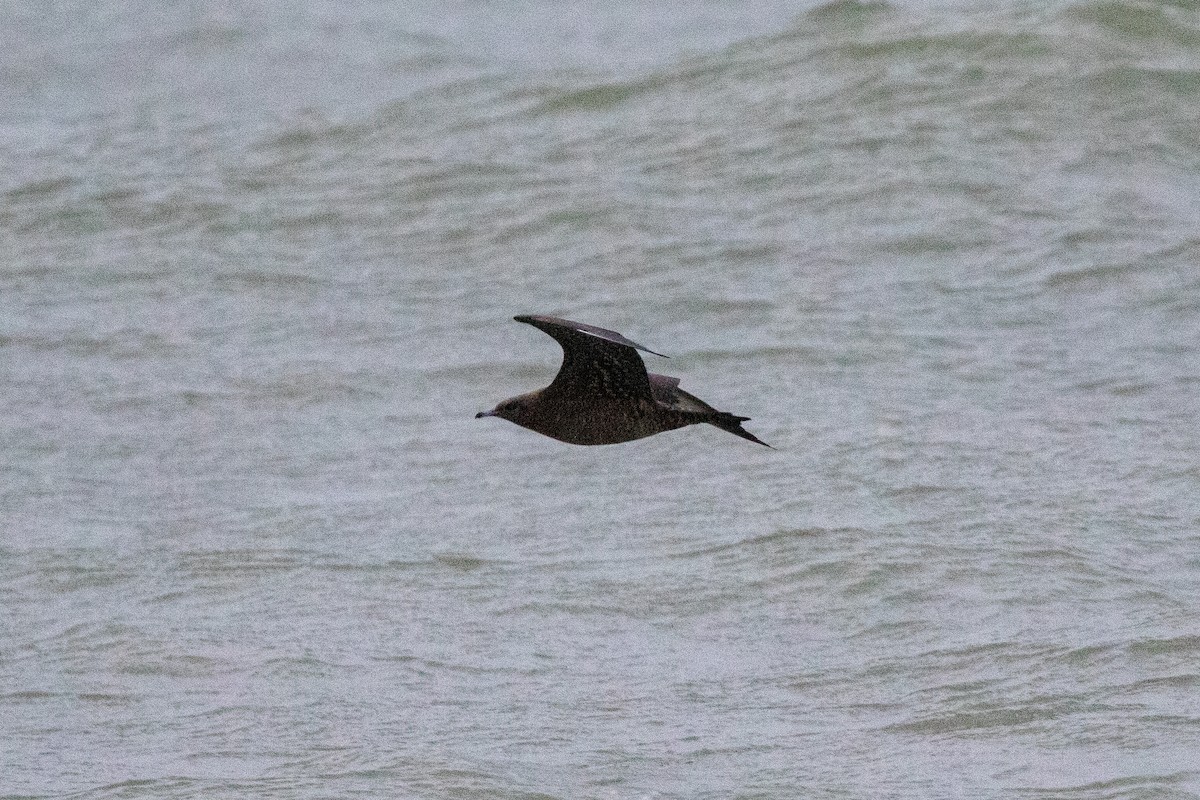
[{"x": 596, "y": 362}]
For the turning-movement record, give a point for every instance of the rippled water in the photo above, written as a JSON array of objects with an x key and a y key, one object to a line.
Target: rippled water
[{"x": 258, "y": 268}]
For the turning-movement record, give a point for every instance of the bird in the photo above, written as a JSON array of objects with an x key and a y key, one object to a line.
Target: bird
[{"x": 603, "y": 394}]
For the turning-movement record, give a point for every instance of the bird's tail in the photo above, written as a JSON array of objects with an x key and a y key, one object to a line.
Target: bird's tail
[{"x": 733, "y": 423}]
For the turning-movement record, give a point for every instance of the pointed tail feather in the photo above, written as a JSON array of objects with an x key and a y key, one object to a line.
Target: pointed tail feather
[{"x": 733, "y": 424}]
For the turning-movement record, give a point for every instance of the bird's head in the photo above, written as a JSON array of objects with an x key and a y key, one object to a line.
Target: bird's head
[{"x": 514, "y": 409}]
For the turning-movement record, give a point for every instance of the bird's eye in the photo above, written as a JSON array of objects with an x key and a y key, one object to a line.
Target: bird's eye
[{"x": 509, "y": 406}]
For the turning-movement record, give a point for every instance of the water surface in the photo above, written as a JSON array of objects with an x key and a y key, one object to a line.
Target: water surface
[{"x": 258, "y": 270}]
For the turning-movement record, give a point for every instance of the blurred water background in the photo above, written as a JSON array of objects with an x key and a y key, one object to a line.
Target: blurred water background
[{"x": 258, "y": 263}]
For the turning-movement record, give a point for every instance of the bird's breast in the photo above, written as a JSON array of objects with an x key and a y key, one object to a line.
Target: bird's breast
[{"x": 600, "y": 421}]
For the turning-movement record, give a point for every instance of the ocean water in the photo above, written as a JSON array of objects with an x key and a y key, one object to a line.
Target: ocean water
[{"x": 258, "y": 264}]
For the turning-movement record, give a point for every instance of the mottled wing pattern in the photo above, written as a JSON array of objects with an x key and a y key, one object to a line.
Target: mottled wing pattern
[{"x": 596, "y": 362}]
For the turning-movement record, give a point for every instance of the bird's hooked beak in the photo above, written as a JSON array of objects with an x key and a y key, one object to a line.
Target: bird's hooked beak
[{"x": 483, "y": 414}]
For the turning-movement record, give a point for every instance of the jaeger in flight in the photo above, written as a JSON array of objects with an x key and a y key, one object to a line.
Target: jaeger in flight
[{"x": 604, "y": 395}]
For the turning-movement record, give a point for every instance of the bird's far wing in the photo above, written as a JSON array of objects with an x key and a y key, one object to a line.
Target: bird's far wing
[
  {"x": 668, "y": 395},
  {"x": 595, "y": 361}
]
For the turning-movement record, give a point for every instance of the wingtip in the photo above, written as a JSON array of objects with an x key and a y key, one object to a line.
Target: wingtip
[{"x": 544, "y": 322}]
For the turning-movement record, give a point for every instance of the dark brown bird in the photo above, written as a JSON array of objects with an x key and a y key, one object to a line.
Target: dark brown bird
[{"x": 603, "y": 394}]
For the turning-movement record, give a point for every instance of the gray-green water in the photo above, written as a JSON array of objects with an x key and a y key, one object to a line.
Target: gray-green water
[{"x": 257, "y": 269}]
